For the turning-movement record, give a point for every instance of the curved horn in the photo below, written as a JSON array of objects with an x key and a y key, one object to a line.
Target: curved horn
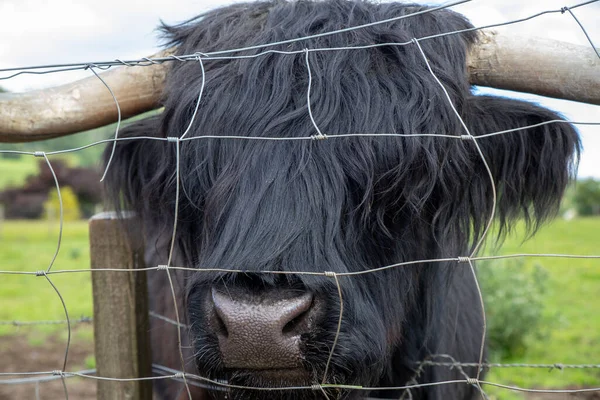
[
  {"x": 533, "y": 65},
  {"x": 81, "y": 105}
]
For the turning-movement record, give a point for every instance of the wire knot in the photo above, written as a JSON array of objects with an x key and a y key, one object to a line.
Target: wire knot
[
  {"x": 174, "y": 57},
  {"x": 58, "y": 373},
  {"x": 329, "y": 274},
  {"x": 172, "y": 139},
  {"x": 463, "y": 259},
  {"x": 316, "y": 386},
  {"x": 319, "y": 136},
  {"x": 559, "y": 367},
  {"x": 467, "y": 137},
  {"x": 125, "y": 63},
  {"x": 39, "y": 154},
  {"x": 472, "y": 381},
  {"x": 162, "y": 267},
  {"x": 92, "y": 66},
  {"x": 151, "y": 61},
  {"x": 40, "y": 273},
  {"x": 564, "y": 9},
  {"x": 179, "y": 375}
]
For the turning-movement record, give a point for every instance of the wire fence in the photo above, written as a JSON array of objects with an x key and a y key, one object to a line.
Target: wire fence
[{"x": 188, "y": 379}]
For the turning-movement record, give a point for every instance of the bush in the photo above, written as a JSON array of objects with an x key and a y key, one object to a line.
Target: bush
[
  {"x": 28, "y": 201},
  {"x": 587, "y": 197},
  {"x": 514, "y": 303},
  {"x": 70, "y": 205}
]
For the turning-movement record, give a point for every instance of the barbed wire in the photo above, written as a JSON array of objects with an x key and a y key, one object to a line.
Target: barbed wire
[{"x": 188, "y": 379}]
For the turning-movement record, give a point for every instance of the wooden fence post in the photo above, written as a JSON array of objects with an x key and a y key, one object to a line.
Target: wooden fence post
[
  {"x": 121, "y": 326},
  {"x": 1, "y": 218}
]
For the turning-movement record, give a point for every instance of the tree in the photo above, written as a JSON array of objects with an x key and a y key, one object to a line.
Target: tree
[{"x": 587, "y": 197}]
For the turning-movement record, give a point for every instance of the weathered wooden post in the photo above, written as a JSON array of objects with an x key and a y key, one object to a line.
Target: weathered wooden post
[
  {"x": 1, "y": 218},
  {"x": 121, "y": 326}
]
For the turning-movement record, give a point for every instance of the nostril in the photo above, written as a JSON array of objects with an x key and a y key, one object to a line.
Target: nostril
[
  {"x": 219, "y": 325},
  {"x": 296, "y": 325},
  {"x": 270, "y": 314},
  {"x": 221, "y": 314},
  {"x": 300, "y": 322}
]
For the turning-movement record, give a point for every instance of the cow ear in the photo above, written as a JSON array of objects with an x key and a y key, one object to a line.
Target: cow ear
[{"x": 531, "y": 167}]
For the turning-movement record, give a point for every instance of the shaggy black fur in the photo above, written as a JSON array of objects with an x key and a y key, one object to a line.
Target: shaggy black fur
[{"x": 339, "y": 204}]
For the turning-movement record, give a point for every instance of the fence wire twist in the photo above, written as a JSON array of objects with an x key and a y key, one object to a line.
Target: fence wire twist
[{"x": 162, "y": 372}]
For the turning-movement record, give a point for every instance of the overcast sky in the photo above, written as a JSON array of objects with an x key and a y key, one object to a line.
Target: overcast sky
[{"x": 34, "y": 32}]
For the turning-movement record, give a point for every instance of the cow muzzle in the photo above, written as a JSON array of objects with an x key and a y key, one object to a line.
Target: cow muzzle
[{"x": 261, "y": 330}]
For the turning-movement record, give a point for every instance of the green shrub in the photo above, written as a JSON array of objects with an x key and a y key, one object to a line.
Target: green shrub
[
  {"x": 71, "y": 210},
  {"x": 587, "y": 197},
  {"x": 514, "y": 303}
]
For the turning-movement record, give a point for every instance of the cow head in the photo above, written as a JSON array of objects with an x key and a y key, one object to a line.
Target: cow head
[{"x": 292, "y": 220}]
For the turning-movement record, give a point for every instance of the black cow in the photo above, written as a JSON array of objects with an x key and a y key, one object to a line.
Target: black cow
[{"x": 337, "y": 205}]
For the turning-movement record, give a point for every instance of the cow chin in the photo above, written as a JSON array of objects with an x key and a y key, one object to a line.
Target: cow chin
[
  {"x": 282, "y": 384},
  {"x": 304, "y": 395},
  {"x": 277, "y": 383},
  {"x": 262, "y": 383}
]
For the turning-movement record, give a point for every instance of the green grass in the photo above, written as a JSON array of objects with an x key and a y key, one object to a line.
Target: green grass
[
  {"x": 29, "y": 246},
  {"x": 573, "y": 298},
  {"x": 15, "y": 170},
  {"x": 572, "y": 306}
]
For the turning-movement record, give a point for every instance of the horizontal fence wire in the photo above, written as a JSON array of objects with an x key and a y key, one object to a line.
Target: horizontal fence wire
[
  {"x": 223, "y": 55},
  {"x": 199, "y": 381},
  {"x": 73, "y": 322},
  {"x": 461, "y": 259},
  {"x": 163, "y": 372}
]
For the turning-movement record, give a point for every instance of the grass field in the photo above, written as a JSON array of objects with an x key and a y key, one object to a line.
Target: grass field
[
  {"x": 15, "y": 170},
  {"x": 29, "y": 246},
  {"x": 572, "y": 304},
  {"x": 572, "y": 300}
]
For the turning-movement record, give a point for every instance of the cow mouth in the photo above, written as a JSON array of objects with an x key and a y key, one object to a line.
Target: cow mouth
[
  {"x": 282, "y": 384},
  {"x": 270, "y": 377}
]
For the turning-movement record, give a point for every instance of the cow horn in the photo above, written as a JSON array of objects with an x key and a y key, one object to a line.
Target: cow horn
[
  {"x": 81, "y": 105},
  {"x": 533, "y": 65}
]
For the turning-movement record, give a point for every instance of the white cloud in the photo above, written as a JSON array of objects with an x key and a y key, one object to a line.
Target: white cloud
[{"x": 38, "y": 28}]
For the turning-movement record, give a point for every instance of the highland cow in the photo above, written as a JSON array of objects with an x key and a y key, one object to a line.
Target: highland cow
[{"x": 338, "y": 205}]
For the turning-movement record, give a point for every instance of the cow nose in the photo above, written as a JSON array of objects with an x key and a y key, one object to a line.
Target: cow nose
[{"x": 261, "y": 331}]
